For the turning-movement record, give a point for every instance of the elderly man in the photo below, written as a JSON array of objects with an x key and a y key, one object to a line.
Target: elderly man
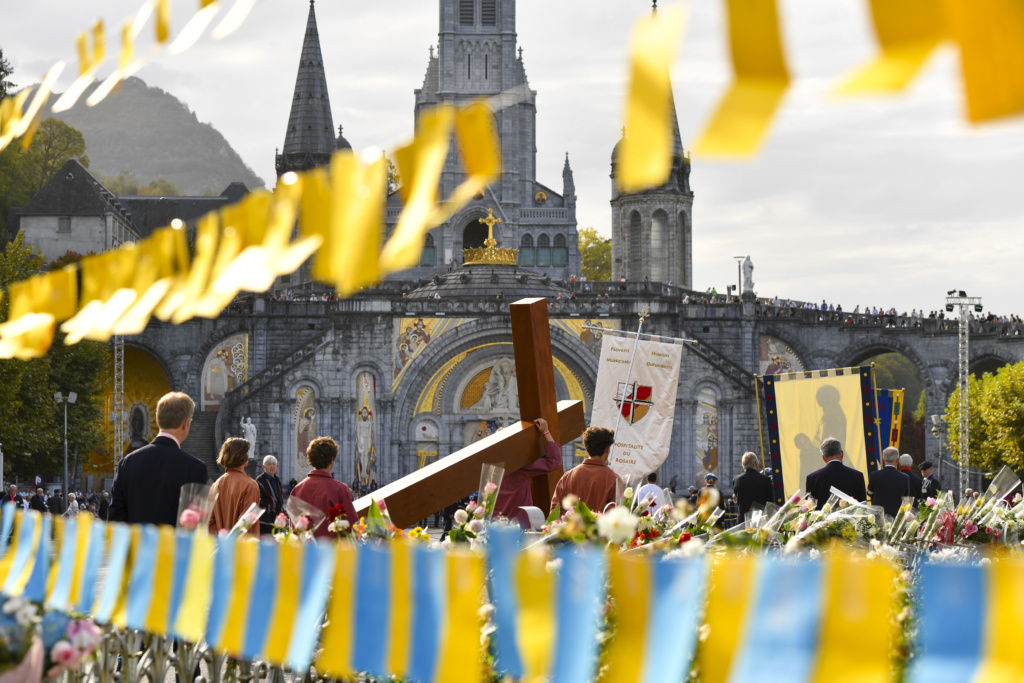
[
  {"x": 271, "y": 494},
  {"x": 835, "y": 473},
  {"x": 37, "y": 502},
  {"x": 888, "y": 486},
  {"x": 916, "y": 486},
  {"x": 12, "y": 495},
  {"x": 148, "y": 481},
  {"x": 751, "y": 487}
]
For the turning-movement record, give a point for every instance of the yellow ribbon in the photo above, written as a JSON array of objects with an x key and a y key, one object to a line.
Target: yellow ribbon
[
  {"x": 991, "y": 38},
  {"x": 191, "y": 621},
  {"x": 58, "y": 539},
  {"x": 232, "y": 638},
  {"x": 163, "y": 581},
  {"x": 645, "y": 156},
  {"x": 180, "y": 304},
  {"x": 535, "y": 622},
  {"x": 480, "y": 150},
  {"x": 336, "y": 656},
  {"x": 462, "y": 651},
  {"x": 908, "y": 32},
  {"x": 741, "y": 121},
  {"x": 859, "y": 602},
  {"x": 8, "y": 556},
  {"x": 728, "y": 605},
  {"x": 289, "y": 585},
  {"x": 357, "y": 204},
  {"x": 120, "y": 615},
  {"x": 400, "y": 627},
  {"x": 1001, "y": 659},
  {"x": 83, "y": 538},
  {"x": 26, "y": 572},
  {"x": 87, "y": 65},
  {"x": 36, "y": 305}
]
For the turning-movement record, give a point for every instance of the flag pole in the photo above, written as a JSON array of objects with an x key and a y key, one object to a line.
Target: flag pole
[{"x": 645, "y": 313}]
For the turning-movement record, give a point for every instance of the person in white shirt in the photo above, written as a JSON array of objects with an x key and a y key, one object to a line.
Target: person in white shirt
[{"x": 653, "y": 491}]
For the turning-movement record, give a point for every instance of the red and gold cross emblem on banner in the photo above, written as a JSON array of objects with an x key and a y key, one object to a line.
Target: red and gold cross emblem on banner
[{"x": 634, "y": 404}]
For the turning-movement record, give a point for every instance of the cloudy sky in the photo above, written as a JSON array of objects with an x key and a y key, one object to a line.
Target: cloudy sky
[{"x": 886, "y": 202}]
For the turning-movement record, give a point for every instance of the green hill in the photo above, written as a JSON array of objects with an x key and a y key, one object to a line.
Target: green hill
[{"x": 152, "y": 134}]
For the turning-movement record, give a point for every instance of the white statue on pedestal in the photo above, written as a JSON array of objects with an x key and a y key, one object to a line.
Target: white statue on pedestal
[
  {"x": 249, "y": 434},
  {"x": 748, "y": 276}
]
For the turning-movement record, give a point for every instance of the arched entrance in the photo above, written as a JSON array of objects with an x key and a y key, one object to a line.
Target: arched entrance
[
  {"x": 893, "y": 370},
  {"x": 145, "y": 381},
  {"x": 474, "y": 235}
]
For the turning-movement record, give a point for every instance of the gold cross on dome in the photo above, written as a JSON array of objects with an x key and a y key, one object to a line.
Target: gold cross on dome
[{"x": 490, "y": 222}]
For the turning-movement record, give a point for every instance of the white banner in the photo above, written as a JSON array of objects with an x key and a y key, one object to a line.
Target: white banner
[{"x": 647, "y": 402}]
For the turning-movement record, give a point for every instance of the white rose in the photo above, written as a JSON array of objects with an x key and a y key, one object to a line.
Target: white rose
[
  {"x": 461, "y": 516},
  {"x": 569, "y": 502},
  {"x": 628, "y": 493},
  {"x": 617, "y": 525}
]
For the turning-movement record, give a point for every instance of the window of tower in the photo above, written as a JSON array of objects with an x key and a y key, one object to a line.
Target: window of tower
[
  {"x": 635, "y": 246},
  {"x": 526, "y": 254},
  {"x": 560, "y": 254},
  {"x": 489, "y": 12},
  {"x": 543, "y": 251},
  {"x": 429, "y": 254},
  {"x": 466, "y": 12},
  {"x": 659, "y": 244}
]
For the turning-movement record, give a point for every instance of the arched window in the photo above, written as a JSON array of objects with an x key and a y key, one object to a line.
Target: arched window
[
  {"x": 429, "y": 255},
  {"x": 560, "y": 254},
  {"x": 543, "y": 251},
  {"x": 659, "y": 244},
  {"x": 635, "y": 250},
  {"x": 526, "y": 255}
]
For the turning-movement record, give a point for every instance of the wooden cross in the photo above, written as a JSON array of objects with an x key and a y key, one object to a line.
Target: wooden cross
[{"x": 449, "y": 479}]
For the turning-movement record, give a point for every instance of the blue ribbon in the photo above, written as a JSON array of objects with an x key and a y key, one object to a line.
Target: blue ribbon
[
  {"x": 429, "y": 611},
  {"x": 502, "y": 548},
  {"x": 782, "y": 632},
  {"x": 61, "y": 592},
  {"x": 373, "y": 604},
  {"x": 223, "y": 580},
  {"x": 261, "y": 602},
  {"x": 578, "y": 614},
  {"x": 951, "y": 622},
  {"x": 140, "y": 584},
  {"x": 35, "y": 589},
  {"x": 93, "y": 561},
  {"x": 182, "y": 557},
  {"x": 677, "y": 599},
  {"x": 317, "y": 573},
  {"x": 23, "y": 552},
  {"x": 120, "y": 542}
]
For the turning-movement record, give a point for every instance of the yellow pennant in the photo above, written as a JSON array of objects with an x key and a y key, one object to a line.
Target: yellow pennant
[
  {"x": 11, "y": 116},
  {"x": 191, "y": 621},
  {"x": 233, "y": 636},
  {"x": 34, "y": 114},
  {"x": 420, "y": 164},
  {"x": 480, "y": 150},
  {"x": 908, "y": 31},
  {"x": 195, "y": 27},
  {"x": 162, "y": 266},
  {"x": 84, "y": 527},
  {"x": 106, "y": 294},
  {"x": 400, "y": 627},
  {"x": 163, "y": 581},
  {"x": 162, "y": 22},
  {"x": 741, "y": 121},
  {"x": 289, "y": 585},
  {"x": 536, "y": 620},
  {"x": 29, "y": 337},
  {"x": 1001, "y": 646},
  {"x": 335, "y": 658},
  {"x": 459, "y": 660},
  {"x": 645, "y": 155},
  {"x": 357, "y": 211},
  {"x": 859, "y": 608},
  {"x": 991, "y": 38},
  {"x": 180, "y": 304},
  {"x": 285, "y": 256},
  {"x": 212, "y": 301},
  {"x": 729, "y": 596},
  {"x": 630, "y": 587},
  {"x": 315, "y": 220},
  {"x": 37, "y": 304},
  {"x": 88, "y": 63}
]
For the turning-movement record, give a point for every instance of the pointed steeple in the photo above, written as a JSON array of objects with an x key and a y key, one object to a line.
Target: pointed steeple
[
  {"x": 309, "y": 140},
  {"x": 568, "y": 184}
]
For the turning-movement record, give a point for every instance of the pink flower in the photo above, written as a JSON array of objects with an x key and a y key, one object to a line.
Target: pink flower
[
  {"x": 795, "y": 499},
  {"x": 84, "y": 635},
  {"x": 189, "y": 519},
  {"x": 281, "y": 520},
  {"x": 471, "y": 508},
  {"x": 303, "y": 523},
  {"x": 803, "y": 526},
  {"x": 64, "y": 654},
  {"x": 931, "y": 502},
  {"x": 969, "y": 529},
  {"x": 479, "y": 512},
  {"x": 382, "y": 505},
  {"x": 490, "y": 488},
  {"x": 249, "y": 518},
  {"x": 988, "y": 530}
]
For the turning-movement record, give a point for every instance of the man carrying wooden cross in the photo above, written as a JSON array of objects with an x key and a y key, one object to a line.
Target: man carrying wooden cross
[{"x": 516, "y": 489}]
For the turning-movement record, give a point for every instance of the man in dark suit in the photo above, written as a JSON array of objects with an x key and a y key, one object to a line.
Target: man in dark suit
[
  {"x": 104, "y": 507},
  {"x": 888, "y": 486},
  {"x": 147, "y": 485},
  {"x": 751, "y": 486},
  {"x": 37, "y": 502},
  {"x": 271, "y": 494},
  {"x": 835, "y": 473},
  {"x": 916, "y": 485},
  {"x": 931, "y": 483},
  {"x": 12, "y": 495},
  {"x": 56, "y": 503}
]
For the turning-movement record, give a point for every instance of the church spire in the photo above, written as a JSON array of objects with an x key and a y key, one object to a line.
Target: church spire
[{"x": 309, "y": 140}]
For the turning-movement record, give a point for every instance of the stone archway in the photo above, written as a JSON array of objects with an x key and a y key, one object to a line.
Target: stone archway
[{"x": 474, "y": 234}]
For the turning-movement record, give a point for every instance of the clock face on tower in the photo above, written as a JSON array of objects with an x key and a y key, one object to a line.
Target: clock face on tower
[{"x": 540, "y": 197}]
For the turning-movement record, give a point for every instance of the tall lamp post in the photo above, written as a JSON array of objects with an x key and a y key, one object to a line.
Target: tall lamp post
[
  {"x": 959, "y": 299},
  {"x": 70, "y": 398},
  {"x": 739, "y": 273}
]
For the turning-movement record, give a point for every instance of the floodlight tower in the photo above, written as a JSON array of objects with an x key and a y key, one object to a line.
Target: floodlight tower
[
  {"x": 118, "y": 413},
  {"x": 960, "y": 299}
]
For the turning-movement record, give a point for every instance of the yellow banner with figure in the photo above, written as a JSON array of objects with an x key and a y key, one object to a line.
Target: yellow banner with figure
[{"x": 805, "y": 408}]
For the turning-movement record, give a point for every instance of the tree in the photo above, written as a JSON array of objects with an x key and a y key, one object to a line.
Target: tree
[
  {"x": 124, "y": 184},
  {"x": 32, "y": 428},
  {"x": 5, "y": 72},
  {"x": 394, "y": 180},
  {"x": 596, "y": 254},
  {"x": 996, "y": 419},
  {"x": 160, "y": 188}
]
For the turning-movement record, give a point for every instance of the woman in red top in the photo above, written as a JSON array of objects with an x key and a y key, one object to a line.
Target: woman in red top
[{"x": 320, "y": 489}]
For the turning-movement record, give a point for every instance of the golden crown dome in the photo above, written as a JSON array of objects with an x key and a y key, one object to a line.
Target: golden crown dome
[{"x": 490, "y": 254}]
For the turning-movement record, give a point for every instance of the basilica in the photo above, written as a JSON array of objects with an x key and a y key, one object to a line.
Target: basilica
[{"x": 420, "y": 365}]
